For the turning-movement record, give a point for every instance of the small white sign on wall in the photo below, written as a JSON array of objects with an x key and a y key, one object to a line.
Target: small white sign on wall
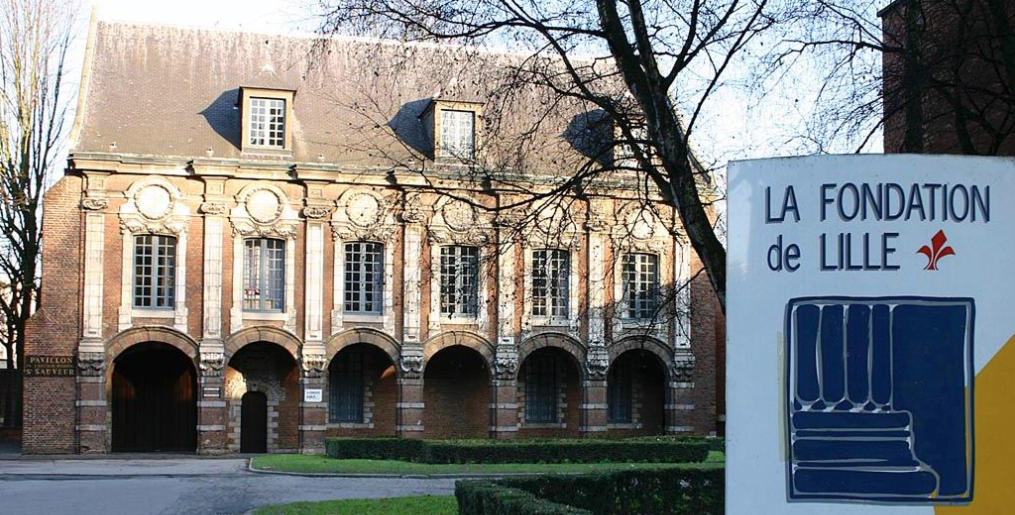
[{"x": 313, "y": 395}]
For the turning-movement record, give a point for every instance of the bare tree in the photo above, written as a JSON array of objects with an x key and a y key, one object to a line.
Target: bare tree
[
  {"x": 932, "y": 74},
  {"x": 35, "y": 36},
  {"x": 645, "y": 68}
]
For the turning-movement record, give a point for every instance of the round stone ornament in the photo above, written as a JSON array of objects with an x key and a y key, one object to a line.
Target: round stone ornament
[{"x": 154, "y": 201}]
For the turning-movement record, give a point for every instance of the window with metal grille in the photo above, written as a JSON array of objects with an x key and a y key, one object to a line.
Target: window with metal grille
[
  {"x": 619, "y": 393},
  {"x": 550, "y": 273},
  {"x": 541, "y": 390},
  {"x": 641, "y": 285},
  {"x": 345, "y": 381},
  {"x": 364, "y": 277},
  {"x": 459, "y": 280},
  {"x": 267, "y": 122},
  {"x": 458, "y": 133},
  {"x": 264, "y": 275},
  {"x": 154, "y": 271}
]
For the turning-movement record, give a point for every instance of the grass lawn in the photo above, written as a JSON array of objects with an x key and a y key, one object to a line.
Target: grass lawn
[
  {"x": 422, "y": 505},
  {"x": 323, "y": 464}
]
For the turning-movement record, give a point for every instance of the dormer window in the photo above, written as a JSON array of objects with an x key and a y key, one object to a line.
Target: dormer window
[
  {"x": 624, "y": 152},
  {"x": 458, "y": 133},
  {"x": 267, "y": 122},
  {"x": 455, "y": 128}
]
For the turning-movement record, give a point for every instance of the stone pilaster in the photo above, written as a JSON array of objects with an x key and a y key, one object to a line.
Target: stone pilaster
[
  {"x": 409, "y": 408},
  {"x": 313, "y": 413},
  {"x": 92, "y": 406},
  {"x": 212, "y": 411},
  {"x": 91, "y": 322},
  {"x": 314, "y": 286},
  {"x": 504, "y": 395},
  {"x": 680, "y": 395},
  {"x": 411, "y": 299},
  {"x": 593, "y": 409}
]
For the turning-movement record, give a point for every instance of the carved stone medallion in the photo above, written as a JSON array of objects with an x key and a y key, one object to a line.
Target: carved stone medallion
[
  {"x": 264, "y": 206},
  {"x": 154, "y": 201},
  {"x": 363, "y": 210},
  {"x": 459, "y": 216}
]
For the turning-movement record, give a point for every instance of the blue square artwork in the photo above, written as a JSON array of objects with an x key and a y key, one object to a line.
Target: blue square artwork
[{"x": 879, "y": 399}]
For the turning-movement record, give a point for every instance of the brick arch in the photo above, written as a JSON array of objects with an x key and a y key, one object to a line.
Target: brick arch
[
  {"x": 558, "y": 340},
  {"x": 647, "y": 343},
  {"x": 465, "y": 338},
  {"x": 369, "y": 336},
  {"x": 280, "y": 337},
  {"x": 135, "y": 335}
]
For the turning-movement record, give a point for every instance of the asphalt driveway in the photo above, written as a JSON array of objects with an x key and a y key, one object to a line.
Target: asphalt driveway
[{"x": 186, "y": 485}]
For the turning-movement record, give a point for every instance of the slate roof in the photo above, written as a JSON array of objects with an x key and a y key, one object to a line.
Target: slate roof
[{"x": 171, "y": 93}]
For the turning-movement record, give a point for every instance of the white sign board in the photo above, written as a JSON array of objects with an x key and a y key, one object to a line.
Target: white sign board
[
  {"x": 313, "y": 395},
  {"x": 867, "y": 295}
]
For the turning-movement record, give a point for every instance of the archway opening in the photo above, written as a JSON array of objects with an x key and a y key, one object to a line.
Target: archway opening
[
  {"x": 154, "y": 400},
  {"x": 362, "y": 392},
  {"x": 270, "y": 370},
  {"x": 636, "y": 394},
  {"x": 549, "y": 393},
  {"x": 456, "y": 390}
]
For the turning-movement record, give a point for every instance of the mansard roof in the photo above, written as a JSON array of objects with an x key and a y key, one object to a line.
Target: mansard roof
[{"x": 171, "y": 93}]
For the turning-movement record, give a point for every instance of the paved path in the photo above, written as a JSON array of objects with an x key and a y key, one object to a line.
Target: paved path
[{"x": 193, "y": 486}]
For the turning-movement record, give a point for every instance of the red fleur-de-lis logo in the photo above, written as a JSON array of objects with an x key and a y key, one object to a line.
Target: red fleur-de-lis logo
[{"x": 937, "y": 251}]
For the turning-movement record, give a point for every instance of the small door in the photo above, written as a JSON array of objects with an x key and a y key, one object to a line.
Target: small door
[{"x": 254, "y": 423}]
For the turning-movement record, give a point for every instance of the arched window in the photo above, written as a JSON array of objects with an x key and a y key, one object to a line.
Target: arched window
[
  {"x": 364, "y": 277},
  {"x": 154, "y": 271},
  {"x": 264, "y": 275}
]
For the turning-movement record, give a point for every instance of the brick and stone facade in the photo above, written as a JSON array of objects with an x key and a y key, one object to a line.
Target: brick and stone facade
[{"x": 138, "y": 170}]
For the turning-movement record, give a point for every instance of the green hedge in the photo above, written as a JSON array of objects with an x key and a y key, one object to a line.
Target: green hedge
[
  {"x": 374, "y": 448},
  {"x": 656, "y": 492},
  {"x": 490, "y": 498},
  {"x": 661, "y": 450}
]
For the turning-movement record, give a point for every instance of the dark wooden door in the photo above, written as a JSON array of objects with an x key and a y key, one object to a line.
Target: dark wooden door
[
  {"x": 154, "y": 401},
  {"x": 254, "y": 422}
]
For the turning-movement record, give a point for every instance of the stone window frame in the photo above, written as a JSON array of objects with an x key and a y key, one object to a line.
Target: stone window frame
[
  {"x": 631, "y": 235},
  {"x": 263, "y": 245},
  {"x": 376, "y": 256},
  {"x": 247, "y": 95},
  {"x": 271, "y": 218},
  {"x": 363, "y": 215},
  {"x": 432, "y": 117},
  {"x": 530, "y": 321},
  {"x": 141, "y": 216},
  {"x": 464, "y": 275},
  {"x": 550, "y": 230},
  {"x": 154, "y": 246},
  {"x": 455, "y": 222}
]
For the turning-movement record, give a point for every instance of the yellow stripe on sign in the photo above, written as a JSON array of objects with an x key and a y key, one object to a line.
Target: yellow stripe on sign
[{"x": 994, "y": 425}]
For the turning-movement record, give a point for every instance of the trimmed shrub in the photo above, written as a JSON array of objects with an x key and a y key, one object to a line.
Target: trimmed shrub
[
  {"x": 671, "y": 491},
  {"x": 374, "y": 448},
  {"x": 490, "y": 498},
  {"x": 651, "y": 492},
  {"x": 663, "y": 450}
]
